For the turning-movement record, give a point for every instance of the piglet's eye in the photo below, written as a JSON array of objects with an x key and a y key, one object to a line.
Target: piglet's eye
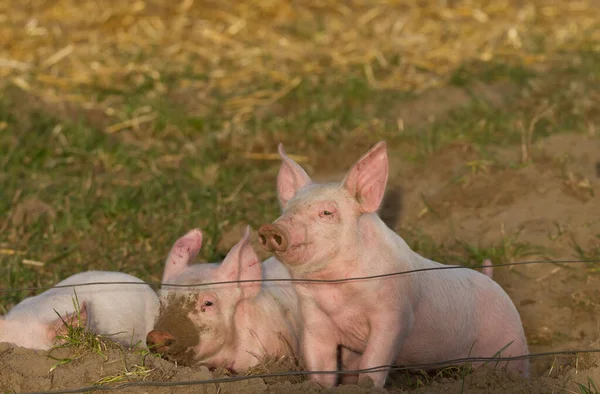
[
  {"x": 208, "y": 303},
  {"x": 327, "y": 213}
]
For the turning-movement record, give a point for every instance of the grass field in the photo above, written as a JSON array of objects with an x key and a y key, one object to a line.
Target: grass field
[{"x": 123, "y": 125}]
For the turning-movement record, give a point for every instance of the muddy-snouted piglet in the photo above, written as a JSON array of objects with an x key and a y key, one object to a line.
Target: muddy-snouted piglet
[
  {"x": 232, "y": 325},
  {"x": 333, "y": 231},
  {"x": 122, "y": 313}
]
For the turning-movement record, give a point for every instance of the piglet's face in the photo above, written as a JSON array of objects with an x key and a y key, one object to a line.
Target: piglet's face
[
  {"x": 196, "y": 324},
  {"x": 192, "y": 326},
  {"x": 320, "y": 221},
  {"x": 312, "y": 225}
]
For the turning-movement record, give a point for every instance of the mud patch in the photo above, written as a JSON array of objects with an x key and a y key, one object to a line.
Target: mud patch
[{"x": 174, "y": 317}]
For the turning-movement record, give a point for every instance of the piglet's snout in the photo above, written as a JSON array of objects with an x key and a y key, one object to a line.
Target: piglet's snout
[
  {"x": 273, "y": 238},
  {"x": 159, "y": 341}
]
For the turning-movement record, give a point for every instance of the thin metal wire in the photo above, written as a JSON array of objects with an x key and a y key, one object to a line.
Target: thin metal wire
[
  {"x": 343, "y": 280},
  {"x": 380, "y": 368}
]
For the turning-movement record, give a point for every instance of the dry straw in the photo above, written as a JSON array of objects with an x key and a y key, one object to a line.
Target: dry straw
[{"x": 253, "y": 53}]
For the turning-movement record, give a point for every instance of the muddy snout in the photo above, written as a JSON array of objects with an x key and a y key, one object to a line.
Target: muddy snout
[
  {"x": 160, "y": 341},
  {"x": 273, "y": 238}
]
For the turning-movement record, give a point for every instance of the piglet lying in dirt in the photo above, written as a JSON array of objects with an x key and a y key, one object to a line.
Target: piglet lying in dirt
[
  {"x": 332, "y": 231},
  {"x": 232, "y": 325},
  {"x": 121, "y": 312}
]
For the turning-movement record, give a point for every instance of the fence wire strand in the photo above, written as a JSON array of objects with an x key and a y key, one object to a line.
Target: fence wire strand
[{"x": 293, "y": 280}]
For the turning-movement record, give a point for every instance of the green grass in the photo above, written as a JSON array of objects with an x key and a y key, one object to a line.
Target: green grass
[
  {"x": 79, "y": 339},
  {"x": 118, "y": 201},
  {"x": 81, "y": 343},
  {"x": 589, "y": 388},
  {"x": 589, "y": 253}
]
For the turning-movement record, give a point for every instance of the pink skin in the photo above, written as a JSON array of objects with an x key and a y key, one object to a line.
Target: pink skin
[
  {"x": 122, "y": 313},
  {"x": 235, "y": 325},
  {"x": 487, "y": 268},
  {"x": 332, "y": 231},
  {"x": 41, "y": 335}
]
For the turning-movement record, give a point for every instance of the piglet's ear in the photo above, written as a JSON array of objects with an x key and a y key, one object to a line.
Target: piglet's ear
[
  {"x": 291, "y": 178},
  {"x": 182, "y": 254},
  {"x": 60, "y": 326},
  {"x": 367, "y": 178},
  {"x": 242, "y": 263}
]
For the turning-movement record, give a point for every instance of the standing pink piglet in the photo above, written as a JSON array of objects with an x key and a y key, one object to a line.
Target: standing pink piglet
[{"x": 332, "y": 231}]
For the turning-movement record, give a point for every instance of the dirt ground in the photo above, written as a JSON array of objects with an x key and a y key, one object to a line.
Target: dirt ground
[{"x": 549, "y": 203}]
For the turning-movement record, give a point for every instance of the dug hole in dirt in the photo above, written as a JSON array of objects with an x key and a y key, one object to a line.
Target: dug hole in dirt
[{"x": 549, "y": 203}]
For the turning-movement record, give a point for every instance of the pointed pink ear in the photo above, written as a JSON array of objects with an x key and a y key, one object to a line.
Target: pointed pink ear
[
  {"x": 58, "y": 327},
  {"x": 291, "y": 178},
  {"x": 182, "y": 254},
  {"x": 367, "y": 178},
  {"x": 242, "y": 263}
]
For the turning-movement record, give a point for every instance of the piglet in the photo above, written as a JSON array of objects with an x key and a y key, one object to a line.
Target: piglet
[
  {"x": 333, "y": 231},
  {"x": 122, "y": 313},
  {"x": 232, "y": 325}
]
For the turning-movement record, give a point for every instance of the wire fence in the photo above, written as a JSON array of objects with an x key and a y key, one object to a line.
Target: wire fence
[
  {"x": 389, "y": 368},
  {"x": 293, "y": 280}
]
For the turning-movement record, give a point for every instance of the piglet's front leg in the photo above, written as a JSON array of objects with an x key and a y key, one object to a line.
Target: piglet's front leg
[
  {"x": 320, "y": 347},
  {"x": 386, "y": 338}
]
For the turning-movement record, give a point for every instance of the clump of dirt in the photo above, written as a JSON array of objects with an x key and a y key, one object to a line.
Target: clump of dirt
[{"x": 587, "y": 372}]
